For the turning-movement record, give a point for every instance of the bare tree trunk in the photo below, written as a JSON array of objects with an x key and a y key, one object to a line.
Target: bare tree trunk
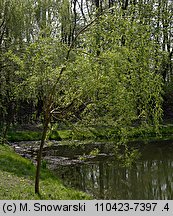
[
  {"x": 124, "y": 8},
  {"x": 39, "y": 156}
]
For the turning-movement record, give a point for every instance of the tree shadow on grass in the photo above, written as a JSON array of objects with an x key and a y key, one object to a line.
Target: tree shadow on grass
[
  {"x": 21, "y": 167},
  {"x": 16, "y": 166}
]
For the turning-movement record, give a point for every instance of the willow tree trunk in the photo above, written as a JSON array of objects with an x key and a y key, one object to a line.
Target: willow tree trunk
[{"x": 39, "y": 156}]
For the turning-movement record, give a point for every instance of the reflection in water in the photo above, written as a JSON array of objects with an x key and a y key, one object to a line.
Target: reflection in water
[{"x": 150, "y": 178}]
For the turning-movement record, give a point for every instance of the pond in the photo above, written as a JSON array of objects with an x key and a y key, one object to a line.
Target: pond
[{"x": 151, "y": 176}]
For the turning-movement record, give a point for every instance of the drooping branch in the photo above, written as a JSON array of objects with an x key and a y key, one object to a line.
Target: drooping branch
[{"x": 68, "y": 53}]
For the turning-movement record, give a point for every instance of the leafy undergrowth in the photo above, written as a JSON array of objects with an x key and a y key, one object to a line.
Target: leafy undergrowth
[{"x": 17, "y": 180}]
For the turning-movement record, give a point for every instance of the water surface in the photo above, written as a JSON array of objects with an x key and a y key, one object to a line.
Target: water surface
[{"x": 151, "y": 177}]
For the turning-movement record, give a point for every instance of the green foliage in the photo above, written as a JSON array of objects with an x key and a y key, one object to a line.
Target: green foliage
[
  {"x": 23, "y": 135},
  {"x": 94, "y": 152},
  {"x": 125, "y": 88},
  {"x": 112, "y": 70},
  {"x": 54, "y": 135},
  {"x": 65, "y": 134}
]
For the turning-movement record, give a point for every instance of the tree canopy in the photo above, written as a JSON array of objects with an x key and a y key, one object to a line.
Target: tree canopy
[{"x": 96, "y": 62}]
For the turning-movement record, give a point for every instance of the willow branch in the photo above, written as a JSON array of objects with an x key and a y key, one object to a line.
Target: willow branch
[{"x": 68, "y": 54}]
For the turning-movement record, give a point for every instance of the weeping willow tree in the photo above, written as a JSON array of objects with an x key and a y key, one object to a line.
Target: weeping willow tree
[
  {"x": 129, "y": 89},
  {"x": 115, "y": 80}
]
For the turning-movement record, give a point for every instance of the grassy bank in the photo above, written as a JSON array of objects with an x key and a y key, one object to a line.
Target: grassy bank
[
  {"x": 17, "y": 180},
  {"x": 97, "y": 133}
]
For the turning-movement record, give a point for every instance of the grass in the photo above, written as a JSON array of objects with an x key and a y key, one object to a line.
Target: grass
[
  {"x": 15, "y": 135},
  {"x": 17, "y": 180},
  {"x": 26, "y": 135},
  {"x": 165, "y": 133},
  {"x": 23, "y": 135},
  {"x": 97, "y": 133}
]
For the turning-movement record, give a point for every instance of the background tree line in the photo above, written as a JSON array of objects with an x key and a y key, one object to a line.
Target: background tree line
[{"x": 24, "y": 22}]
